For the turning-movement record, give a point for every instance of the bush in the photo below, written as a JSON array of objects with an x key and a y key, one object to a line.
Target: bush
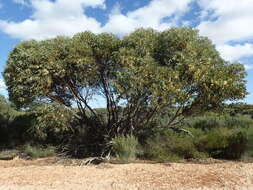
[
  {"x": 15, "y": 131},
  {"x": 249, "y": 147},
  {"x": 38, "y": 151},
  {"x": 7, "y": 116},
  {"x": 223, "y": 143},
  {"x": 212, "y": 121},
  {"x": 222, "y": 136},
  {"x": 125, "y": 147},
  {"x": 238, "y": 122},
  {"x": 206, "y": 122},
  {"x": 167, "y": 145}
]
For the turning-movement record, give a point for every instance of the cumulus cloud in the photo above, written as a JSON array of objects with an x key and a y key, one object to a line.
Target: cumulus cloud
[
  {"x": 227, "y": 20},
  {"x": 236, "y": 52},
  {"x": 62, "y": 17},
  {"x": 151, "y": 15}
]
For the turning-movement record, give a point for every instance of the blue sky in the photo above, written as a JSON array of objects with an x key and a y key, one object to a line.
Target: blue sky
[{"x": 228, "y": 23}]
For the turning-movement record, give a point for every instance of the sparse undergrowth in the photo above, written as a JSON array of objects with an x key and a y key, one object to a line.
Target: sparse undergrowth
[{"x": 39, "y": 151}]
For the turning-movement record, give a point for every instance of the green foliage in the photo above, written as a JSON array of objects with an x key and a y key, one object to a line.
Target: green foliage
[
  {"x": 249, "y": 148},
  {"x": 7, "y": 112},
  {"x": 222, "y": 136},
  {"x": 167, "y": 145},
  {"x": 43, "y": 123},
  {"x": 238, "y": 122},
  {"x": 52, "y": 118},
  {"x": 184, "y": 68},
  {"x": 39, "y": 151},
  {"x": 147, "y": 71},
  {"x": 148, "y": 79},
  {"x": 125, "y": 147},
  {"x": 13, "y": 124},
  {"x": 239, "y": 109},
  {"x": 224, "y": 143},
  {"x": 210, "y": 121},
  {"x": 218, "y": 136}
]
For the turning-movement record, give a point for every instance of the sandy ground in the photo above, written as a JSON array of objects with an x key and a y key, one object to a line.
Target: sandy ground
[{"x": 42, "y": 174}]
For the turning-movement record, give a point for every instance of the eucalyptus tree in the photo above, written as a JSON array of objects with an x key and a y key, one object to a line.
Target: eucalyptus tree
[
  {"x": 175, "y": 73},
  {"x": 143, "y": 77}
]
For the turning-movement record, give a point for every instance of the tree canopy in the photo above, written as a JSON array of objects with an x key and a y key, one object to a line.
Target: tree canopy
[{"x": 143, "y": 76}]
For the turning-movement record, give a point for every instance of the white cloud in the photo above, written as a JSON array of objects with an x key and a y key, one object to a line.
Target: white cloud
[
  {"x": 62, "y": 17},
  {"x": 225, "y": 21},
  {"x": 2, "y": 85},
  {"x": 248, "y": 67},
  {"x": 1, "y": 5},
  {"x": 234, "y": 20},
  {"x": 234, "y": 53},
  {"x": 150, "y": 15}
]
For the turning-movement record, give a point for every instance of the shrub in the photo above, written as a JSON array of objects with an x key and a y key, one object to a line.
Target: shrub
[
  {"x": 237, "y": 144},
  {"x": 222, "y": 136},
  {"x": 15, "y": 131},
  {"x": 212, "y": 121},
  {"x": 235, "y": 122},
  {"x": 223, "y": 143},
  {"x": 206, "y": 122},
  {"x": 167, "y": 145},
  {"x": 125, "y": 147},
  {"x": 249, "y": 147},
  {"x": 38, "y": 151}
]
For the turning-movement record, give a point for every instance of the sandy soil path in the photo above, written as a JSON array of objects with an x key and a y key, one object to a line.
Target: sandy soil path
[{"x": 41, "y": 175}]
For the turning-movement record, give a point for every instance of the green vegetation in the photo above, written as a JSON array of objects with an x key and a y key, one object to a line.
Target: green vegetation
[
  {"x": 38, "y": 151},
  {"x": 125, "y": 148},
  {"x": 223, "y": 136},
  {"x": 223, "y": 143},
  {"x": 165, "y": 92},
  {"x": 211, "y": 135},
  {"x": 167, "y": 145}
]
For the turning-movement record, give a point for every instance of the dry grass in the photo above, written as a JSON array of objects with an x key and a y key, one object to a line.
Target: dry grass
[{"x": 43, "y": 174}]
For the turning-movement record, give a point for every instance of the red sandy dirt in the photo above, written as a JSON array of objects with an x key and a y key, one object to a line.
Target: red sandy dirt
[{"x": 44, "y": 174}]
